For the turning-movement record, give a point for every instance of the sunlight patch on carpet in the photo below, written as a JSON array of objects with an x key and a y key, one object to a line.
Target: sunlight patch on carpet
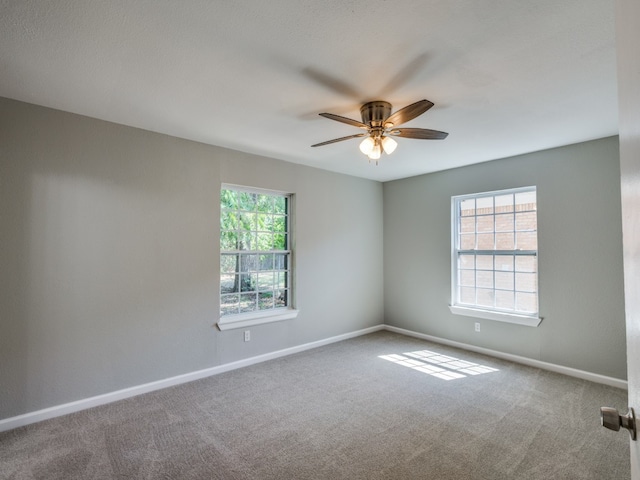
[{"x": 438, "y": 365}]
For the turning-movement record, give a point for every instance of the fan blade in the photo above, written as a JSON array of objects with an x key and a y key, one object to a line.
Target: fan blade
[
  {"x": 409, "y": 112},
  {"x": 339, "y": 139},
  {"x": 421, "y": 133},
  {"x": 346, "y": 120}
]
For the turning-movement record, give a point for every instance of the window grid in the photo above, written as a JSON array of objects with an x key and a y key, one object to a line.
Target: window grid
[
  {"x": 495, "y": 248},
  {"x": 255, "y": 263}
]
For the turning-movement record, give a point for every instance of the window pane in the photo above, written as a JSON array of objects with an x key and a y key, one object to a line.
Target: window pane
[
  {"x": 264, "y": 203},
  {"x": 228, "y": 241},
  {"x": 505, "y": 300},
  {"x": 265, "y": 241},
  {"x": 229, "y": 304},
  {"x": 526, "y": 282},
  {"x": 504, "y": 203},
  {"x": 468, "y": 295},
  {"x": 229, "y": 263},
  {"x": 246, "y": 241},
  {"x": 247, "y": 302},
  {"x": 279, "y": 241},
  {"x": 504, "y": 280},
  {"x": 229, "y": 199},
  {"x": 484, "y": 279},
  {"x": 526, "y": 302},
  {"x": 466, "y": 261},
  {"x": 266, "y": 262},
  {"x": 279, "y": 223},
  {"x": 504, "y": 263},
  {"x": 280, "y": 205},
  {"x": 485, "y": 241},
  {"x": 265, "y": 300},
  {"x": 281, "y": 279},
  {"x": 526, "y": 221},
  {"x": 485, "y": 297},
  {"x": 247, "y": 201},
  {"x": 264, "y": 222},
  {"x": 467, "y": 207},
  {"x": 266, "y": 281},
  {"x": 484, "y": 205},
  {"x": 525, "y": 201},
  {"x": 281, "y": 262},
  {"x": 248, "y": 282},
  {"x": 505, "y": 241},
  {"x": 468, "y": 224},
  {"x": 526, "y": 263},
  {"x": 281, "y": 298},
  {"x": 248, "y": 263},
  {"x": 484, "y": 262},
  {"x": 467, "y": 241},
  {"x": 247, "y": 221},
  {"x": 526, "y": 240},
  {"x": 228, "y": 220},
  {"x": 504, "y": 223},
  {"x": 485, "y": 224},
  {"x": 467, "y": 278},
  {"x": 228, "y": 283}
]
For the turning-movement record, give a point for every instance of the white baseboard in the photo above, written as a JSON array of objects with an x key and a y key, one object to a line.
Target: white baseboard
[
  {"x": 71, "y": 407},
  {"x": 59, "y": 410},
  {"x": 572, "y": 372}
]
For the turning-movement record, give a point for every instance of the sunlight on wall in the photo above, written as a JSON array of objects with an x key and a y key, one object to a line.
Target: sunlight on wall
[{"x": 437, "y": 365}]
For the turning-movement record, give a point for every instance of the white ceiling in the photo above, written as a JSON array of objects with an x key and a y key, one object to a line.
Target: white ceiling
[{"x": 506, "y": 76}]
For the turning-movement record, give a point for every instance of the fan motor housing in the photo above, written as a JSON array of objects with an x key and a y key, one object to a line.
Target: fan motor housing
[{"x": 375, "y": 113}]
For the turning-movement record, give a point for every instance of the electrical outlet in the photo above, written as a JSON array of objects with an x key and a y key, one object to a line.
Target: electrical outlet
[
  {"x": 477, "y": 326},
  {"x": 247, "y": 335}
]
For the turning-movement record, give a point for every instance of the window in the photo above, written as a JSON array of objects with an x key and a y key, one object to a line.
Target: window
[
  {"x": 255, "y": 257},
  {"x": 495, "y": 256}
]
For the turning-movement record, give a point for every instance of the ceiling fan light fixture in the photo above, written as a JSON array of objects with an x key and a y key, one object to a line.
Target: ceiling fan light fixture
[
  {"x": 375, "y": 152},
  {"x": 367, "y": 145},
  {"x": 389, "y": 145}
]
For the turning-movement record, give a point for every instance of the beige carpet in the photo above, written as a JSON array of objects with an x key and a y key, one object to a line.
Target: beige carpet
[{"x": 382, "y": 406}]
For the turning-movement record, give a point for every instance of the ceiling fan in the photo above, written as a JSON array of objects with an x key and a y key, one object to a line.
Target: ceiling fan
[{"x": 380, "y": 125}]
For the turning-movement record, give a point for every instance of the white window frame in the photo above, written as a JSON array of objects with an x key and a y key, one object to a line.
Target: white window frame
[
  {"x": 477, "y": 311},
  {"x": 276, "y": 314}
]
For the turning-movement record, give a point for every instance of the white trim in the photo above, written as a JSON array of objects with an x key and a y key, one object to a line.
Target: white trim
[
  {"x": 243, "y": 320},
  {"x": 59, "y": 410},
  {"x": 497, "y": 316},
  {"x": 552, "y": 367}
]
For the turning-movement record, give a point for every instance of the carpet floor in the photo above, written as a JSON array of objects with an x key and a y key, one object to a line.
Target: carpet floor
[{"x": 380, "y": 406}]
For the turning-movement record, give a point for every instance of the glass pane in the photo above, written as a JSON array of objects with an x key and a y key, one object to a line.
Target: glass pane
[
  {"x": 265, "y": 300},
  {"x": 466, "y": 261},
  {"x": 279, "y": 223},
  {"x": 505, "y": 241},
  {"x": 485, "y": 241},
  {"x": 484, "y": 205},
  {"x": 526, "y": 302},
  {"x": 279, "y": 241},
  {"x": 247, "y": 221},
  {"x": 467, "y": 224},
  {"x": 505, "y": 300},
  {"x": 504, "y": 223},
  {"x": 248, "y": 263},
  {"x": 247, "y": 302},
  {"x": 281, "y": 279},
  {"x": 229, "y": 263},
  {"x": 228, "y": 241},
  {"x": 504, "y": 263},
  {"x": 526, "y": 221},
  {"x": 280, "y": 205},
  {"x": 468, "y": 207},
  {"x": 228, "y": 220},
  {"x": 266, "y": 281},
  {"x": 228, "y": 283},
  {"x": 247, "y": 201},
  {"x": 526, "y": 241},
  {"x": 264, "y": 203},
  {"x": 266, "y": 262},
  {"x": 526, "y": 263},
  {"x": 248, "y": 282},
  {"x": 526, "y": 282},
  {"x": 468, "y": 295},
  {"x": 246, "y": 240},
  {"x": 484, "y": 262},
  {"x": 467, "y": 278},
  {"x": 265, "y": 241},
  {"x": 504, "y": 280},
  {"x": 264, "y": 222},
  {"x": 467, "y": 241},
  {"x": 485, "y": 224},
  {"x": 229, "y": 199},
  {"x": 281, "y": 261},
  {"x": 485, "y": 297},
  {"x": 229, "y": 304},
  {"x": 281, "y": 298},
  {"x": 525, "y": 201},
  {"x": 484, "y": 279},
  {"x": 504, "y": 203}
]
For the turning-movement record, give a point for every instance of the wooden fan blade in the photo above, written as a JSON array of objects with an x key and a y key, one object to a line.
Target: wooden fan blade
[
  {"x": 346, "y": 120},
  {"x": 408, "y": 113},
  {"x": 339, "y": 139},
  {"x": 421, "y": 133}
]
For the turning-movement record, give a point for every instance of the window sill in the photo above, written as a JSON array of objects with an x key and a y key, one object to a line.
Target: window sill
[
  {"x": 497, "y": 316},
  {"x": 243, "y": 320}
]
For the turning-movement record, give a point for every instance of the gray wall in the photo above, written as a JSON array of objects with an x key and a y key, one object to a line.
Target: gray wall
[
  {"x": 580, "y": 256},
  {"x": 109, "y": 256}
]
